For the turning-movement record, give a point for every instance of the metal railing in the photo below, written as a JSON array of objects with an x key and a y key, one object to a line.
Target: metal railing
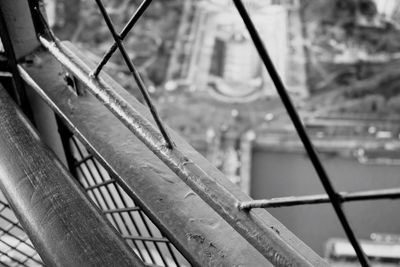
[
  {"x": 129, "y": 219},
  {"x": 234, "y": 207},
  {"x": 15, "y": 247},
  {"x": 196, "y": 173}
]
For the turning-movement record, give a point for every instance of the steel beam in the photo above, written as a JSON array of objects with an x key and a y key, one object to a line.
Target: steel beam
[
  {"x": 197, "y": 231},
  {"x": 17, "y": 16},
  {"x": 63, "y": 225},
  {"x": 258, "y": 227},
  {"x": 207, "y": 186}
]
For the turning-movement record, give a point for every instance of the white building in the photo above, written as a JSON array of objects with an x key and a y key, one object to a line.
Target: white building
[{"x": 226, "y": 56}]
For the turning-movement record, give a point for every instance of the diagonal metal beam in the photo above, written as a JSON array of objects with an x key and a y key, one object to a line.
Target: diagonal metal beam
[
  {"x": 258, "y": 227},
  {"x": 64, "y": 226},
  {"x": 201, "y": 240},
  {"x": 197, "y": 231}
]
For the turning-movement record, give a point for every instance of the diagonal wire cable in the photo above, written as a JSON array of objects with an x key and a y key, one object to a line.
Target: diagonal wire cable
[
  {"x": 280, "y": 87},
  {"x": 128, "y": 27},
  {"x": 135, "y": 74}
]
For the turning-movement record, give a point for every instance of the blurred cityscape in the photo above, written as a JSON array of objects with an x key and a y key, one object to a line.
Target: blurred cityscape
[{"x": 339, "y": 60}]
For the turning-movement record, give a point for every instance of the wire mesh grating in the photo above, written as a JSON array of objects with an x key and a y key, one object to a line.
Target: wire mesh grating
[
  {"x": 133, "y": 224},
  {"x": 15, "y": 247},
  {"x": 130, "y": 221}
]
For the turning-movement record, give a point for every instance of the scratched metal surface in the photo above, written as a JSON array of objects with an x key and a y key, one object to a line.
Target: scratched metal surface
[
  {"x": 197, "y": 231},
  {"x": 215, "y": 245},
  {"x": 275, "y": 247},
  {"x": 128, "y": 218},
  {"x": 63, "y": 225}
]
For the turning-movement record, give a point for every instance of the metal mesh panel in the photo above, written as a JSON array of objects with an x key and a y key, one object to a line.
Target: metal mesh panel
[
  {"x": 133, "y": 224},
  {"x": 15, "y": 247},
  {"x": 135, "y": 227}
]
